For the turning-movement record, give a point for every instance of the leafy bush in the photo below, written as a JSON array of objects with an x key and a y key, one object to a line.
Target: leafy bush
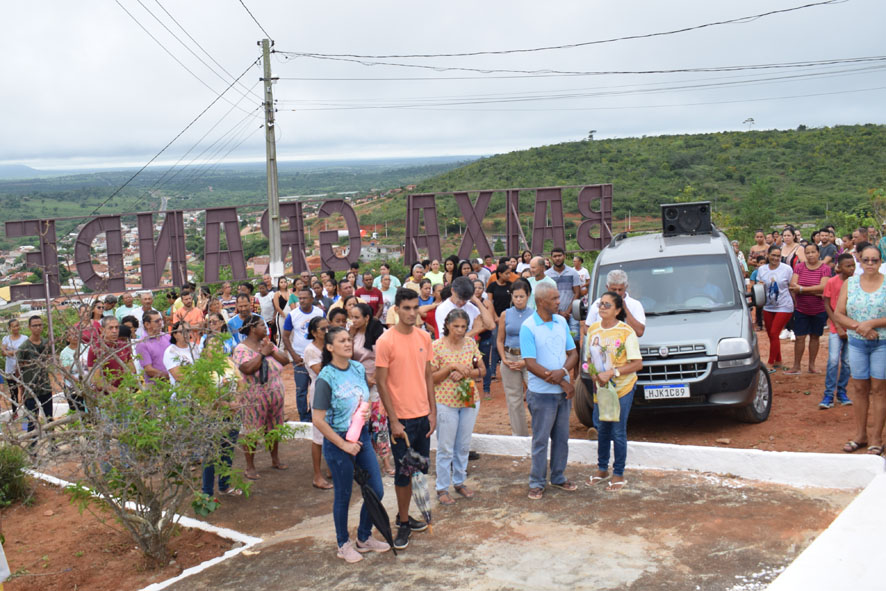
[{"x": 14, "y": 483}]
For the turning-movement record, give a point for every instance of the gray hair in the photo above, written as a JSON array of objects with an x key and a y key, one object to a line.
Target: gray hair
[
  {"x": 463, "y": 288},
  {"x": 617, "y": 277},
  {"x": 455, "y": 314},
  {"x": 543, "y": 288}
]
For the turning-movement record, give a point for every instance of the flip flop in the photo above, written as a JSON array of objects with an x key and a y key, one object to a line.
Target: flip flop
[
  {"x": 594, "y": 479},
  {"x": 536, "y": 493},
  {"x": 464, "y": 491},
  {"x": 852, "y": 446},
  {"x": 875, "y": 450},
  {"x": 566, "y": 485},
  {"x": 232, "y": 492},
  {"x": 280, "y": 467},
  {"x": 444, "y": 498},
  {"x": 791, "y": 372},
  {"x": 616, "y": 486},
  {"x": 253, "y": 476},
  {"x": 327, "y": 487}
]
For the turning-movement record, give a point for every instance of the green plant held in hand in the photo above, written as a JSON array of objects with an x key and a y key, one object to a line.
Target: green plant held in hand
[{"x": 465, "y": 391}]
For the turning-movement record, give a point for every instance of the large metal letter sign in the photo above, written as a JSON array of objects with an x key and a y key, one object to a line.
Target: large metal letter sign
[
  {"x": 474, "y": 235},
  {"x": 415, "y": 240},
  {"x": 170, "y": 245},
  {"x": 601, "y": 218},
  {"x": 516, "y": 237},
  {"x": 214, "y": 257},
  {"x": 46, "y": 258},
  {"x": 541, "y": 231},
  {"x": 115, "y": 281},
  {"x": 292, "y": 239},
  {"x": 328, "y": 238}
]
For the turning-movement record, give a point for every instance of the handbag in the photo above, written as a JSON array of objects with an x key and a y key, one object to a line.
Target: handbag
[{"x": 608, "y": 406}]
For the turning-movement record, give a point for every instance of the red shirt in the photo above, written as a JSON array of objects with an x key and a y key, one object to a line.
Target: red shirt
[
  {"x": 832, "y": 294},
  {"x": 371, "y": 296},
  {"x": 115, "y": 359}
]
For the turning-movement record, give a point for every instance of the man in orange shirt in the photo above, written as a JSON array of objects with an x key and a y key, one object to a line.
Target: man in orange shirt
[
  {"x": 191, "y": 315},
  {"x": 406, "y": 386}
]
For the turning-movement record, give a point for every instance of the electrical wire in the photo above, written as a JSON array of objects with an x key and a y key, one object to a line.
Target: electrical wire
[
  {"x": 739, "y": 20},
  {"x": 735, "y": 68},
  {"x": 164, "y": 148},
  {"x": 164, "y": 48},
  {"x": 249, "y": 12},
  {"x": 197, "y": 43}
]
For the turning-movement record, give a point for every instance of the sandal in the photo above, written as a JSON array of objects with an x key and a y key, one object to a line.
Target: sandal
[
  {"x": 464, "y": 491},
  {"x": 444, "y": 498},
  {"x": 597, "y": 479},
  {"x": 852, "y": 446},
  {"x": 875, "y": 450},
  {"x": 251, "y": 475},
  {"x": 232, "y": 492},
  {"x": 566, "y": 485},
  {"x": 536, "y": 493},
  {"x": 616, "y": 486},
  {"x": 792, "y": 372}
]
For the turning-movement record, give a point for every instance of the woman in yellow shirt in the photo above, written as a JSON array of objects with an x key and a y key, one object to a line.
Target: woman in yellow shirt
[{"x": 612, "y": 357}]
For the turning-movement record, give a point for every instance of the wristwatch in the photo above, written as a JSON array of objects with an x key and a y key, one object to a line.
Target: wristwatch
[{"x": 616, "y": 372}]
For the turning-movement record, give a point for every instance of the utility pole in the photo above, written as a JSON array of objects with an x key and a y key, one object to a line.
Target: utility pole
[{"x": 275, "y": 266}]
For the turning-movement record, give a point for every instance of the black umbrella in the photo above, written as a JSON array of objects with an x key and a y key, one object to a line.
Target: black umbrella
[{"x": 377, "y": 511}]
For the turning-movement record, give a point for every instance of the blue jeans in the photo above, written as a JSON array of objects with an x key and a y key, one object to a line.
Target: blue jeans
[
  {"x": 490, "y": 357},
  {"x": 867, "y": 359},
  {"x": 341, "y": 464},
  {"x": 550, "y": 421},
  {"x": 302, "y": 381},
  {"x": 616, "y": 434},
  {"x": 454, "y": 429},
  {"x": 227, "y": 456},
  {"x": 838, "y": 364}
]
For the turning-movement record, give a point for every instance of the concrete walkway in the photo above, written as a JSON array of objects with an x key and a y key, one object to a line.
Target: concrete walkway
[{"x": 666, "y": 530}]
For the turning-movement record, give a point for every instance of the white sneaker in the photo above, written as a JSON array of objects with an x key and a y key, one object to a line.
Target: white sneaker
[
  {"x": 372, "y": 545},
  {"x": 793, "y": 337},
  {"x": 346, "y": 551},
  {"x": 784, "y": 335}
]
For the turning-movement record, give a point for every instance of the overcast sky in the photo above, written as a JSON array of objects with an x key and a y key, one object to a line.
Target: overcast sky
[{"x": 84, "y": 85}]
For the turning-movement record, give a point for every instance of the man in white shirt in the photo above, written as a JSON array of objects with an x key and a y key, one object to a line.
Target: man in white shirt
[
  {"x": 385, "y": 269},
  {"x": 295, "y": 339},
  {"x": 147, "y": 304},
  {"x": 127, "y": 309},
  {"x": 537, "y": 270},
  {"x": 635, "y": 316},
  {"x": 463, "y": 297}
]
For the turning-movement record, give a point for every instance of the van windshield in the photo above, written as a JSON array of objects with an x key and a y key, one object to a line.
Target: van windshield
[{"x": 694, "y": 284}]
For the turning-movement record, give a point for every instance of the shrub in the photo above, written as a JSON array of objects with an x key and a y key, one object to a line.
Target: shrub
[{"x": 14, "y": 483}]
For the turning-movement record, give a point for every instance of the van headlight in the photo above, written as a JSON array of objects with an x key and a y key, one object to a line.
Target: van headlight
[{"x": 735, "y": 352}]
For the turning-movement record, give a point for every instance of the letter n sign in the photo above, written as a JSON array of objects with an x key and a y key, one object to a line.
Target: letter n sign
[
  {"x": 541, "y": 230},
  {"x": 430, "y": 239},
  {"x": 214, "y": 256},
  {"x": 601, "y": 218}
]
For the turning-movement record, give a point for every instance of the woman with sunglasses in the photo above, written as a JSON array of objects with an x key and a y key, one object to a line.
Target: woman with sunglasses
[
  {"x": 218, "y": 328},
  {"x": 861, "y": 310}
]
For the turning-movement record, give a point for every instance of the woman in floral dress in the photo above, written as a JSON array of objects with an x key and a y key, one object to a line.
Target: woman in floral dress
[{"x": 263, "y": 399}]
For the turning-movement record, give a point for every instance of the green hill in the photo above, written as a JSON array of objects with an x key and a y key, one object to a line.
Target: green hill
[{"x": 798, "y": 174}]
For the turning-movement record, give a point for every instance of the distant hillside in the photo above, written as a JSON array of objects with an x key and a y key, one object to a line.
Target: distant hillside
[
  {"x": 807, "y": 170},
  {"x": 19, "y": 171}
]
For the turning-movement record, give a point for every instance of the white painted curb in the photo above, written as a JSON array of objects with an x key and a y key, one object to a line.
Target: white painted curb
[
  {"x": 848, "y": 554},
  {"x": 841, "y": 471},
  {"x": 247, "y": 541}
]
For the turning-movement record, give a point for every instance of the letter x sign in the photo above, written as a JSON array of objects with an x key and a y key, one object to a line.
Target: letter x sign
[{"x": 473, "y": 214}]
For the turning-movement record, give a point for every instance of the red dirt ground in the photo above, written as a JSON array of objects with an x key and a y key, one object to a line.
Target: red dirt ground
[
  {"x": 68, "y": 551},
  {"x": 795, "y": 423}
]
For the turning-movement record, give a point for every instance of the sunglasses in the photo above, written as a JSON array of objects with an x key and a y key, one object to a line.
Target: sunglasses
[
  {"x": 870, "y": 261},
  {"x": 606, "y": 305}
]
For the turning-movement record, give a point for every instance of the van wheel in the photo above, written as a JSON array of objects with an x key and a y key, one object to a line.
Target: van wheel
[
  {"x": 583, "y": 404},
  {"x": 758, "y": 410}
]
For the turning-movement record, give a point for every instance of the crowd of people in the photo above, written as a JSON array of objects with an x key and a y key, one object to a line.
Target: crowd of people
[
  {"x": 838, "y": 283},
  {"x": 408, "y": 357}
]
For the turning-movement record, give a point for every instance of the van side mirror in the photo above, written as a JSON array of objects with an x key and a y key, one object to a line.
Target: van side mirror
[
  {"x": 579, "y": 311},
  {"x": 758, "y": 295}
]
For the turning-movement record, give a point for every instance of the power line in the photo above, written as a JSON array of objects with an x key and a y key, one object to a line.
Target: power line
[
  {"x": 249, "y": 12},
  {"x": 158, "y": 42},
  {"x": 164, "y": 148},
  {"x": 739, "y": 20},
  {"x": 737, "y": 68},
  {"x": 774, "y": 98},
  {"x": 197, "y": 43}
]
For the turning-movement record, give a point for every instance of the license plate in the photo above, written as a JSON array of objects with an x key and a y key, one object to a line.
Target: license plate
[{"x": 666, "y": 392}]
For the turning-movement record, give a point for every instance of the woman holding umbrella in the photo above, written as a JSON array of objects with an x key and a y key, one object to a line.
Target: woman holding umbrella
[{"x": 340, "y": 390}]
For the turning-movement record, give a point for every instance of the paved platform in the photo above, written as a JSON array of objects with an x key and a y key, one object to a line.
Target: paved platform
[{"x": 666, "y": 530}]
